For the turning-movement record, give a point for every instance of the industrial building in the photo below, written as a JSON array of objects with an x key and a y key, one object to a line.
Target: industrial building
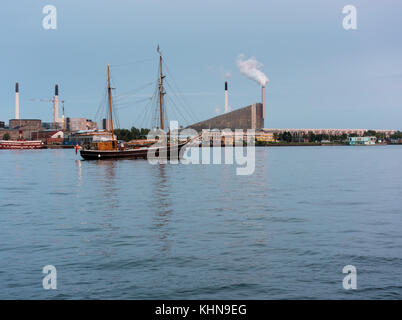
[
  {"x": 106, "y": 125},
  {"x": 25, "y": 126},
  {"x": 76, "y": 124},
  {"x": 250, "y": 117},
  {"x": 80, "y": 124},
  {"x": 47, "y": 134},
  {"x": 49, "y": 137}
]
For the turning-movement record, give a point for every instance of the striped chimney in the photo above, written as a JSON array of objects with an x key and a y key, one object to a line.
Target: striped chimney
[
  {"x": 226, "y": 98},
  {"x": 17, "y": 101},
  {"x": 263, "y": 102},
  {"x": 56, "y": 103}
]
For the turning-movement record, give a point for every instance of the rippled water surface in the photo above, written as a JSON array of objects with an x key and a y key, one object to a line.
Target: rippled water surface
[{"x": 130, "y": 230}]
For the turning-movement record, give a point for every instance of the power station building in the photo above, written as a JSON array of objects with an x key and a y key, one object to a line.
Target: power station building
[
  {"x": 25, "y": 126},
  {"x": 250, "y": 117}
]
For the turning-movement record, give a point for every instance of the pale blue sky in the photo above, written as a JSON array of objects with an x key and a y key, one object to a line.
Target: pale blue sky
[{"x": 320, "y": 74}]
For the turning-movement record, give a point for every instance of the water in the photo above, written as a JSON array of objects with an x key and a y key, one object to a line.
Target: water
[{"x": 130, "y": 230}]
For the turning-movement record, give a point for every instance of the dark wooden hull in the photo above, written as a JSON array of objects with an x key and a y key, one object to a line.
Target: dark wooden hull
[{"x": 130, "y": 153}]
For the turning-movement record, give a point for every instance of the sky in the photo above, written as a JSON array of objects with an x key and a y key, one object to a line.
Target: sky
[{"x": 320, "y": 75}]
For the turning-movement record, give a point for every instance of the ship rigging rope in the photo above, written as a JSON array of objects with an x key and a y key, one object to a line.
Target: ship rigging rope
[
  {"x": 176, "y": 110},
  {"x": 146, "y": 119},
  {"x": 186, "y": 105},
  {"x": 116, "y": 121},
  {"x": 133, "y": 92},
  {"x": 131, "y": 103},
  {"x": 186, "y": 114},
  {"x": 101, "y": 107},
  {"x": 178, "y": 105},
  {"x": 131, "y": 63},
  {"x": 145, "y": 113}
]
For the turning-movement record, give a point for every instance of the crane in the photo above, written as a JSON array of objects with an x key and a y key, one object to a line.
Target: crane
[{"x": 53, "y": 101}]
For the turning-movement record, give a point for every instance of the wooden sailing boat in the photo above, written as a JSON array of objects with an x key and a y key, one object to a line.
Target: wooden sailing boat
[{"x": 111, "y": 150}]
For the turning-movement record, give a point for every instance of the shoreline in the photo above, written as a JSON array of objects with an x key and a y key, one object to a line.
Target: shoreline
[{"x": 320, "y": 145}]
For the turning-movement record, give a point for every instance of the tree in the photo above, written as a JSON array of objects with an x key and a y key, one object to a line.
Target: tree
[
  {"x": 123, "y": 134},
  {"x": 286, "y": 136},
  {"x": 133, "y": 134},
  {"x": 369, "y": 133},
  {"x": 396, "y": 135},
  {"x": 6, "y": 136}
]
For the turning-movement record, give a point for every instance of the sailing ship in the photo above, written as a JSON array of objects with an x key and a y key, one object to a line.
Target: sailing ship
[
  {"x": 21, "y": 144},
  {"x": 111, "y": 149}
]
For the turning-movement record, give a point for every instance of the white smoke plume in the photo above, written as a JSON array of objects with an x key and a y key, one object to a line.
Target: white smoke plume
[{"x": 251, "y": 68}]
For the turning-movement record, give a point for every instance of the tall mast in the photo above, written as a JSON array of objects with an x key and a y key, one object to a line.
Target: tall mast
[
  {"x": 109, "y": 91},
  {"x": 161, "y": 93}
]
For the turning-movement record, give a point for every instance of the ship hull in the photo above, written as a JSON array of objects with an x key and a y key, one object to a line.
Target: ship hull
[
  {"x": 21, "y": 145},
  {"x": 142, "y": 153}
]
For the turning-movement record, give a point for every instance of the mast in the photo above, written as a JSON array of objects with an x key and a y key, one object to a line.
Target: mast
[
  {"x": 109, "y": 92},
  {"x": 161, "y": 93}
]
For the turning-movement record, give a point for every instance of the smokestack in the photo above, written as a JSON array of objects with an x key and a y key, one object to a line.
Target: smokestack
[
  {"x": 17, "y": 101},
  {"x": 63, "y": 118},
  {"x": 226, "y": 97},
  {"x": 56, "y": 103},
  {"x": 263, "y": 102}
]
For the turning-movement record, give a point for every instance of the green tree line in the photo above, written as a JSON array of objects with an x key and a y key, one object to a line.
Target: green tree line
[{"x": 133, "y": 134}]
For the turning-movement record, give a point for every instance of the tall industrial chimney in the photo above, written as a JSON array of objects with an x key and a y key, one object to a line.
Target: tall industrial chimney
[
  {"x": 263, "y": 102},
  {"x": 226, "y": 97},
  {"x": 17, "y": 101},
  {"x": 56, "y": 103}
]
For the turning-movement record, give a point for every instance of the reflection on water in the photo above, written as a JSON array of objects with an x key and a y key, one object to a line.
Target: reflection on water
[
  {"x": 107, "y": 177},
  {"x": 79, "y": 171},
  {"x": 127, "y": 229},
  {"x": 162, "y": 198}
]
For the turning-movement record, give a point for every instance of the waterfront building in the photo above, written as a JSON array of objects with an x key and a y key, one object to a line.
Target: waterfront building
[
  {"x": 91, "y": 125},
  {"x": 362, "y": 140},
  {"x": 49, "y": 136},
  {"x": 396, "y": 141},
  {"x": 263, "y": 136},
  {"x": 52, "y": 126},
  {"x": 24, "y": 126},
  {"x": 88, "y": 137},
  {"x": 76, "y": 124},
  {"x": 106, "y": 125},
  {"x": 333, "y": 132}
]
